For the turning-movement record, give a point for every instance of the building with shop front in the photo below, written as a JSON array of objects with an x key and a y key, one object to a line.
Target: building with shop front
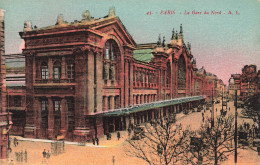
[
  {"x": 247, "y": 83},
  {"x": 89, "y": 77},
  {"x": 234, "y": 85},
  {"x": 5, "y": 116}
]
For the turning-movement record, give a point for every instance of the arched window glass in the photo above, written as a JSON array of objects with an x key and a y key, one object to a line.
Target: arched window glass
[
  {"x": 107, "y": 47},
  {"x": 181, "y": 74},
  {"x": 70, "y": 69},
  {"x": 57, "y": 70},
  {"x": 44, "y": 71},
  {"x": 111, "y": 53}
]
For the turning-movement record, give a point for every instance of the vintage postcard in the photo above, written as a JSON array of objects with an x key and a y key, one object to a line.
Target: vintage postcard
[{"x": 158, "y": 82}]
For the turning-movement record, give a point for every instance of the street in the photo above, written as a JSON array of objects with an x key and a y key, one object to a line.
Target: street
[{"x": 103, "y": 154}]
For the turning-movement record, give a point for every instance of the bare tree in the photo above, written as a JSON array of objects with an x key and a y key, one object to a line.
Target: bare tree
[
  {"x": 217, "y": 140},
  {"x": 163, "y": 142},
  {"x": 252, "y": 108},
  {"x": 197, "y": 150}
]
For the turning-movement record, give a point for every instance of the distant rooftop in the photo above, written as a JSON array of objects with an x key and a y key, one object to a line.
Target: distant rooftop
[{"x": 143, "y": 52}]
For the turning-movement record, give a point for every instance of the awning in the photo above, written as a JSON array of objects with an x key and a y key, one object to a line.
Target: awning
[{"x": 147, "y": 106}]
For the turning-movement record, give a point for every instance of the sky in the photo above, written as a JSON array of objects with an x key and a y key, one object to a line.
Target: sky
[{"x": 222, "y": 43}]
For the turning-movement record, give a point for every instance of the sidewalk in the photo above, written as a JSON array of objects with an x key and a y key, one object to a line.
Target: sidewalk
[{"x": 103, "y": 142}]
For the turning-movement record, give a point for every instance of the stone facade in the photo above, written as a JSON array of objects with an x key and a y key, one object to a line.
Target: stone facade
[{"x": 78, "y": 73}]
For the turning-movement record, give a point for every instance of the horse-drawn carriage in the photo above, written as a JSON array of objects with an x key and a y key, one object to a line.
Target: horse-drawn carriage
[
  {"x": 243, "y": 137},
  {"x": 138, "y": 132}
]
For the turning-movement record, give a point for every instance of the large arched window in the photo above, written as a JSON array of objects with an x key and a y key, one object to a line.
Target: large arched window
[
  {"x": 181, "y": 74},
  {"x": 70, "y": 70},
  {"x": 111, "y": 54},
  {"x": 56, "y": 70},
  {"x": 44, "y": 71}
]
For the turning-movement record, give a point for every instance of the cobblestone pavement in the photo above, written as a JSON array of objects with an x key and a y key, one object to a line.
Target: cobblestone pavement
[{"x": 109, "y": 151}]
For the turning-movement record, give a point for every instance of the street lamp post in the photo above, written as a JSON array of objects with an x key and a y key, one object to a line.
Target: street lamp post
[
  {"x": 212, "y": 112},
  {"x": 235, "y": 136},
  {"x": 222, "y": 98}
]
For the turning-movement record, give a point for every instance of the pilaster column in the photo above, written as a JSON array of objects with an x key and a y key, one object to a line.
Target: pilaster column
[
  {"x": 50, "y": 119},
  {"x": 29, "y": 129},
  {"x": 90, "y": 83},
  {"x": 106, "y": 71},
  {"x": 105, "y": 103},
  {"x": 142, "y": 99},
  {"x": 64, "y": 110},
  {"x": 80, "y": 89},
  {"x": 112, "y": 102},
  {"x": 126, "y": 76},
  {"x": 99, "y": 81},
  {"x": 131, "y": 84},
  {"x": 63, "y": 68},
  {"x": 134, "y": 75},
  {"x": 122, "y": 81},
  {"x": 34, "y": 69},
  {"x": 50, "y": 67},
  {"x": 37, "y": 116}
]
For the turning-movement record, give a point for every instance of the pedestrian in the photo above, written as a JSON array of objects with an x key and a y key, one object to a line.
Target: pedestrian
[
  {"x": 15, "y": 141},
  {"x": 97, "y": 140},
  {"x": 21, "y": 156},
  {"x": 203, "y": 119},
  {"x": 240, "y": 127},
  {"x": 250, "y": 133},
  {"x": 118, "y": 135},
  {"x": 16, "y": 156},
  {"x": 216, "y": 109},
  {"x": 229, "y": 108},
  {"x": 48, "y": 155},
  {"x": 256, "y": 131},
  {"x": 93, "y": 140},
  {"x": 107, "y": 135},
  {"x": 253, "y": 130},
  {"x": 25, "y": 155},
  {"x": 44, "y": 153}
]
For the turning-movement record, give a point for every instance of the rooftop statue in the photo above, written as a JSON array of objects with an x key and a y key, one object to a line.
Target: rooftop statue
[
  {"x": 112, "y": 12},
  {"x": 59, "y": 19},
  {"x": 173, "y": 35},
  {"x": 27, "y": 26},
  {"x": 86, "y": 16}
]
